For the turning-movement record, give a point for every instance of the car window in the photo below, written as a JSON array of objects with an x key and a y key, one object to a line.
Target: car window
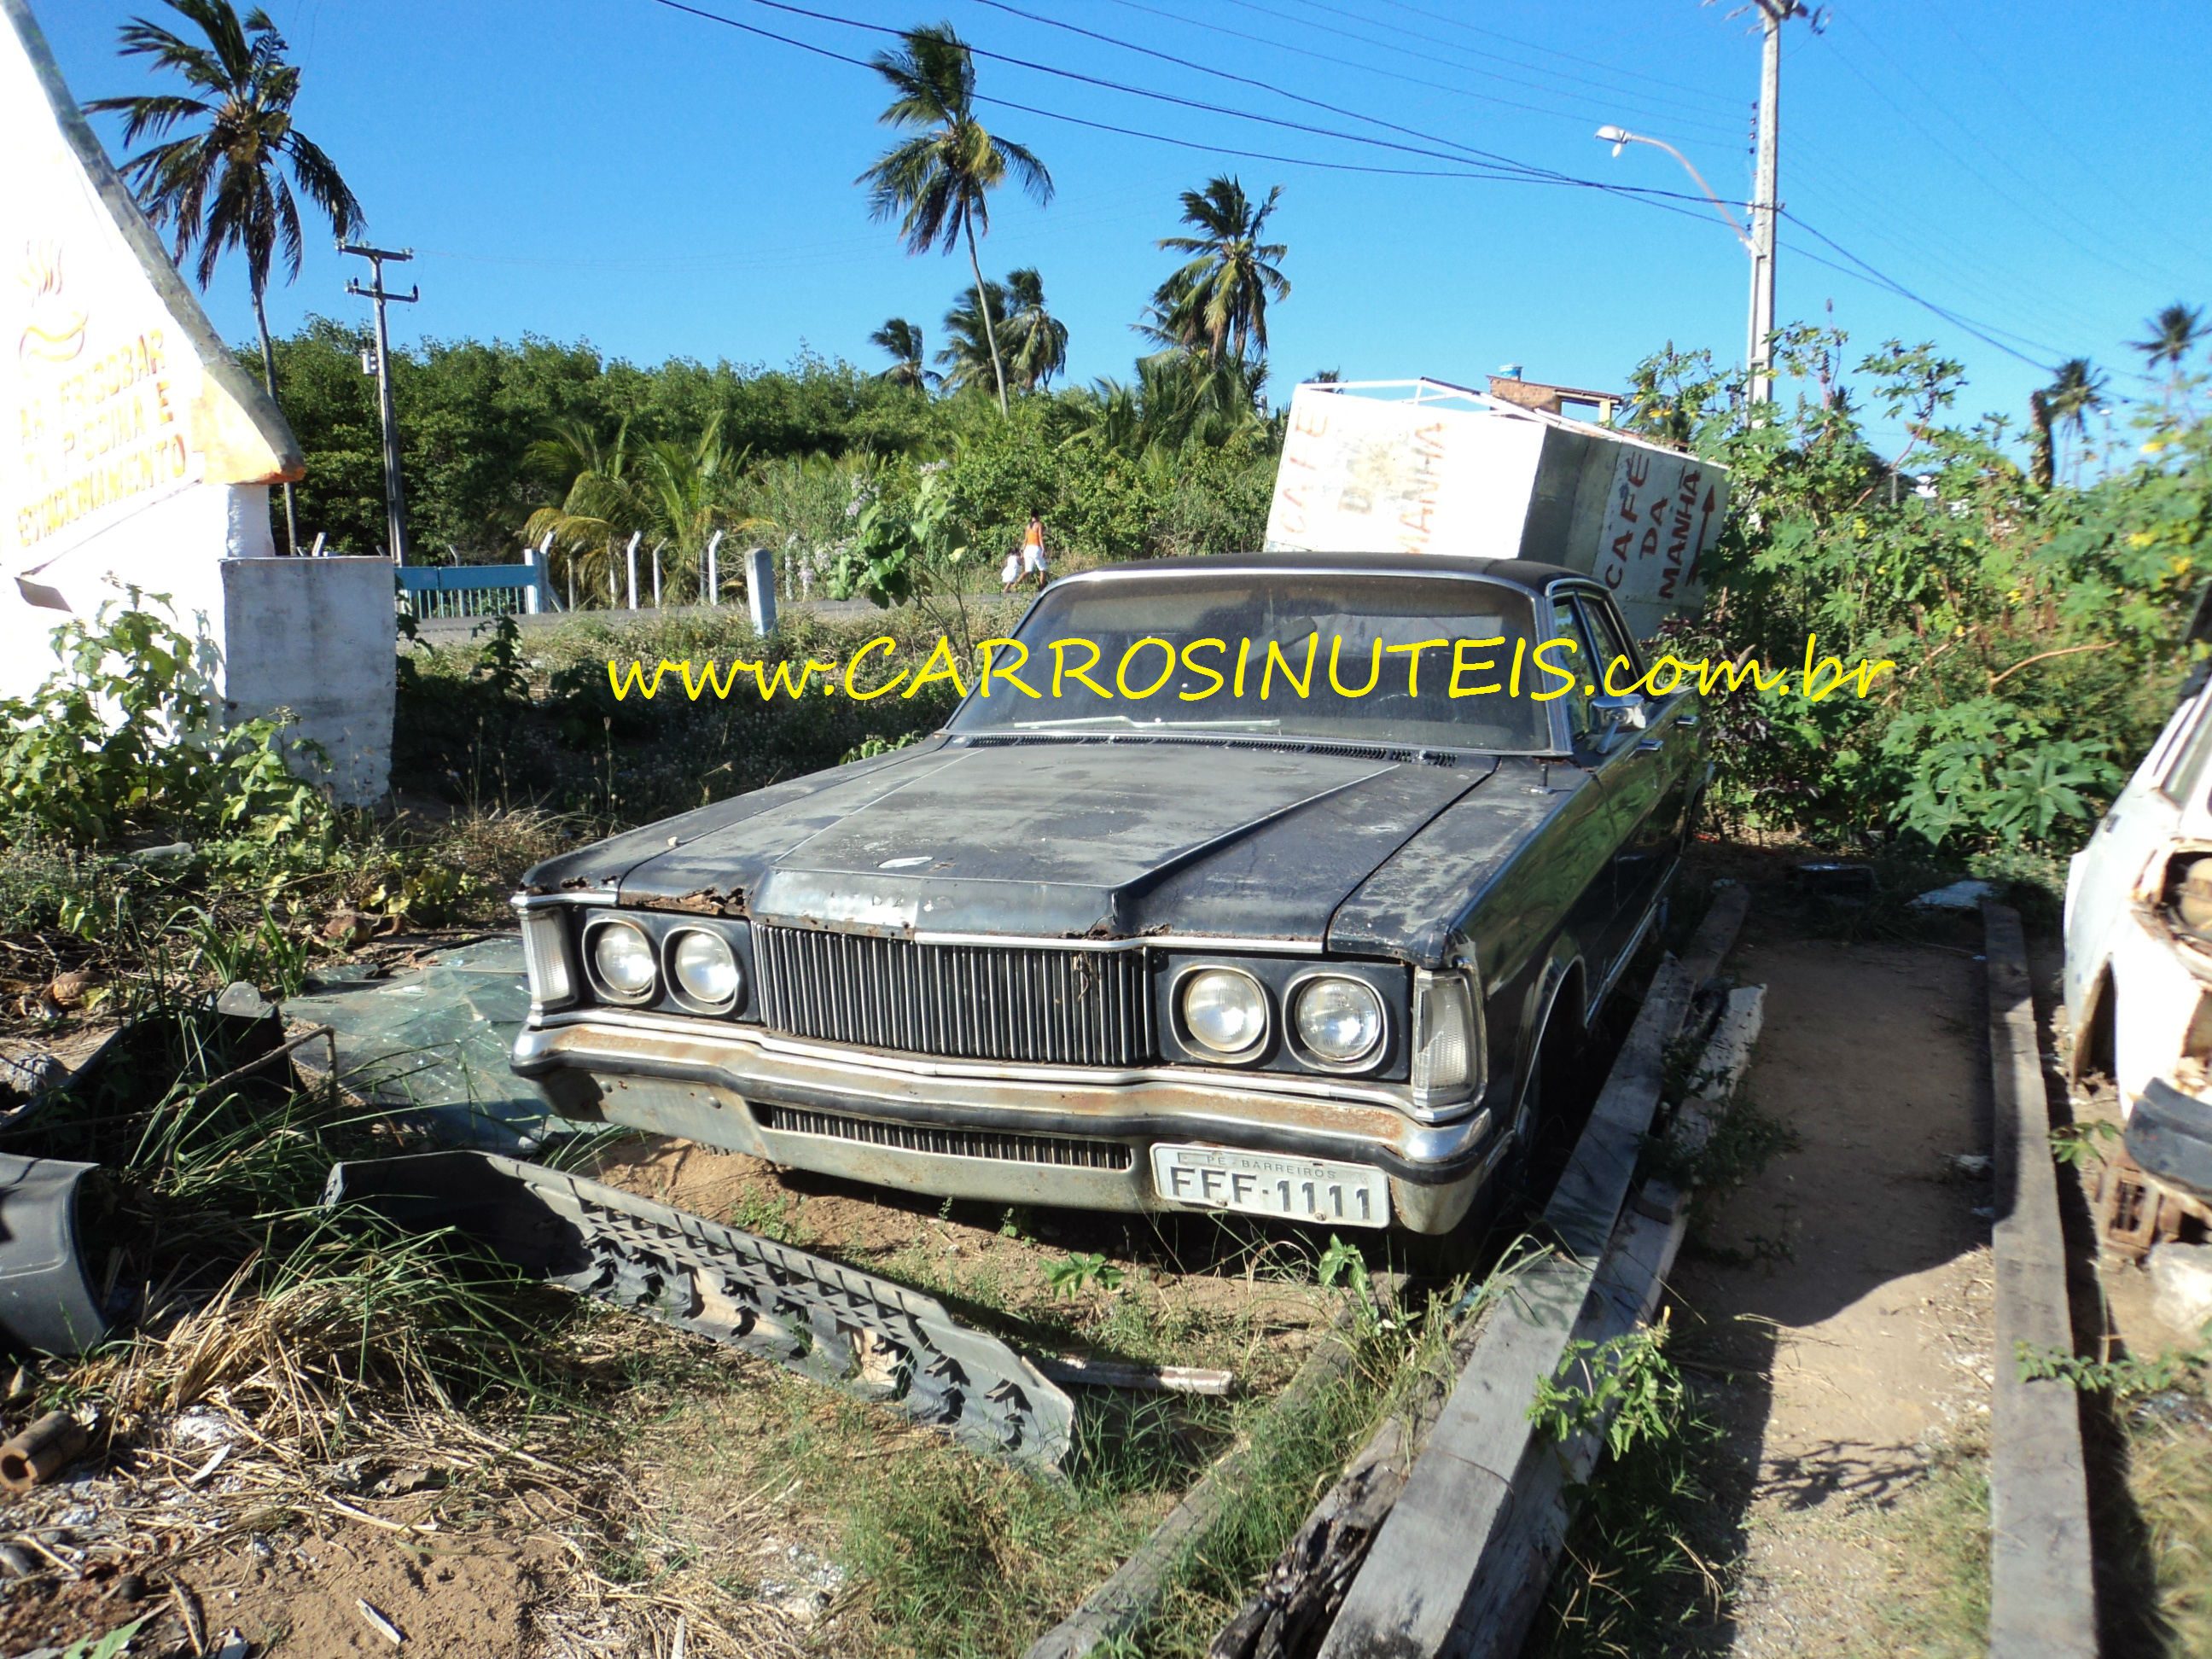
[
  {"x": 2186, "y": 770},
  {"x": 1191, "y": 650},
  {"x": 1567, "y": 624},
  {"x": 1612, "y": 643}
]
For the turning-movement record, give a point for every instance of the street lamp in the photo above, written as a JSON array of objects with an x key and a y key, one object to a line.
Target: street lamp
[{"x": 1762, "y": 270}]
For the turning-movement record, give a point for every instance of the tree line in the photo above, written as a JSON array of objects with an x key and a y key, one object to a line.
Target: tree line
[{"x": 508, "y": 444}]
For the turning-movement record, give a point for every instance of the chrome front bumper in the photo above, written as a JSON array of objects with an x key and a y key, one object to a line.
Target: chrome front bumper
[{"x": 1053, "y": 1131}]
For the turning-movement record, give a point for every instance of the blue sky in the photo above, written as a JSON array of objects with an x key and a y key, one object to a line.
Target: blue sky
[{"x": 615, "y": 171}]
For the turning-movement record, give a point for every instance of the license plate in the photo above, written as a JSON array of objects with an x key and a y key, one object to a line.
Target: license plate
[{"x": 1260, "y": 1183}]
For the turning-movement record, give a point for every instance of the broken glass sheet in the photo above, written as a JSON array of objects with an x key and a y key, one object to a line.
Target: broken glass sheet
[{"x": 430, "y": 1044}]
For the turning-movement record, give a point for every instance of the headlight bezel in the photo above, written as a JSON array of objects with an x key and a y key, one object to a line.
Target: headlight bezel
[
  {"x": 1369, "y": 1056},
  {"x": 1280, "y": 1053},
  {"x": 605, "y": 990},
  {"x": 672, "y": 946},
  {"x": 1178, "y": 998}
]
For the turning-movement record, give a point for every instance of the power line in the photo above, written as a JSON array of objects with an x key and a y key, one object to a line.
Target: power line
[
  {"x": 1568, "y": 57},
  {"x": 1336, "y": 61},
  {"x": 1249, "y": 81},
  {"x": 2027, "y": 210},
  {"x": 1462, "y": 172},
  {"x": 1970, "y": 270},
  {"x": 1151, "y": 92},
  {"x": 1491, "y": 166},
  {"x": 2113, "y": 183},
  {"x": 1702, "y": 124},
  {"x": 2037, "y": 190},
  {"x": 1430, "y": 42},
  {"x": 1669, "y": 201},
  {"x": 1868, "y": 272}
]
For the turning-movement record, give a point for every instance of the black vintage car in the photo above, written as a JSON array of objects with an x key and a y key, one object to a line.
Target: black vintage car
[{"x": 1228, "y": 941}]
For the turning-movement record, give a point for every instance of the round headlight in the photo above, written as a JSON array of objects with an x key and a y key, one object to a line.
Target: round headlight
[
  {"x": 1225, "y": 1011},
  {"x": 1339, "y": 1020},
  {"x": 622, "y": 958},
  {"x": 705, "y": 969}
]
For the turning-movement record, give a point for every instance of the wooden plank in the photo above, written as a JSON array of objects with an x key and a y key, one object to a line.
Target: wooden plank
[
  {"x": 1127, "y": 1599},
  {"x": 1121, "y": 1374},
  {"x": 2042, "y": 1594},
  {"x": 1465, "y": 1497},
  {"x": 1716, "y": 935},
  {"x": 1419, "y": 1574},
  {"x": 1719, "y": 1070}
]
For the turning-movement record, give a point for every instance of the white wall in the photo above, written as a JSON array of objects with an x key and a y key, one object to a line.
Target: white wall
[{"x": 316, "y": 636}]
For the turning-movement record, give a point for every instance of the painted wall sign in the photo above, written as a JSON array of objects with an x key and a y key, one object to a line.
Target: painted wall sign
[
  {"x": 115, "y": 394},
  {"x": 1423, "y": 467},
  {"x": 1364, "y": 475},
  {"x": 1661, "y": 517}
]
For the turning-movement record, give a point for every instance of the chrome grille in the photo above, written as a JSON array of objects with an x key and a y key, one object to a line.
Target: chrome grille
[
  {"x": 1055, "y": 1149},
  {"x": 1023, "y": 1003}
]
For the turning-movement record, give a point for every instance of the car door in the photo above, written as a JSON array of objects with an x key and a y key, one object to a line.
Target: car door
[
  {"x": 1659, "y": 783},
  {"x": 1602, "y": 920},
  {"x": 2145, "y": 816},
  {"x": 1633, "y": 763}
]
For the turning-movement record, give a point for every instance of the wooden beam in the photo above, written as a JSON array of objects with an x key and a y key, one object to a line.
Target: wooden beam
[
  {"x": 1125, "y": 1601},
  {"x": 2042, "y": 1595},
  {"x": 1298, "y": 1600},
  {"x": 1423, "y": 1576}
]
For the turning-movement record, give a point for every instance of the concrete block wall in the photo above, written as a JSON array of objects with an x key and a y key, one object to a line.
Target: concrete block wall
[{"x": 316, "y": 637}]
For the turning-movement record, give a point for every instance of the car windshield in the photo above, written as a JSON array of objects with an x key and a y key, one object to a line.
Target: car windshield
[{"x": 1403, "y": 659}]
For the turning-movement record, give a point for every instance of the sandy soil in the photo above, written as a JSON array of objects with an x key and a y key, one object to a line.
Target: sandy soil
[{"x": 1844, "y": 1296}]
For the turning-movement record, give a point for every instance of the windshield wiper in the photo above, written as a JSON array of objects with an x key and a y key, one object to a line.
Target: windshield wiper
[{"x": 1149, "y": 725}]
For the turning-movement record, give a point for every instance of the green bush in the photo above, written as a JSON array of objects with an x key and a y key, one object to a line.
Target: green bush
[
  {"x": 123, "y": 741},
  {"x": 2035, "y": 630}
]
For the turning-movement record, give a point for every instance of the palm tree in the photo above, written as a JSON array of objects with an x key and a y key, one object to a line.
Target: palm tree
[
  {"x": 2076, "y": 389},
  {"x": 676, "y": 495},
  {"x": 1217, "y": 299},
  {"x": 969, "y": 355},
  {"x": 1036, "y": 341},
  {"x": 903, "y": 341},
  {"x": 937, "y": 182},
  {"x": 223, "y": 184},
  {"x": 1181, "y": 400},
  {"x": 598, "y": 502},
  {"x": 2174, "y": 333}
]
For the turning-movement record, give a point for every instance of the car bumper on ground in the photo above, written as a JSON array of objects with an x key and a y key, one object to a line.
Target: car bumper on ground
[
  {"x": 2169, "y": 1135},
  {"x": 1014, "y": 1135}
]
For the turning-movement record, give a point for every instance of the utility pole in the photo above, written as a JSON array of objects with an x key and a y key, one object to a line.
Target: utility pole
[
  {"x": 1759, "y": 354},
  {"x": 395, "y": 510}
]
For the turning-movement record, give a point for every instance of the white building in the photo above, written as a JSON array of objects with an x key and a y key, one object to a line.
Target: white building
[{"x": 134, "y": 453}]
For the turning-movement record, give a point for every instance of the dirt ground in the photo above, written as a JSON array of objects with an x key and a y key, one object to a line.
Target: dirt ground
[
  {"x": 1837, "y": 1308},
  {"x": 721, "y": 1484}
]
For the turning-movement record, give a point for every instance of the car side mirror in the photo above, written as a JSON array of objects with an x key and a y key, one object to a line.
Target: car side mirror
[{"x": 1622, "y": 713}]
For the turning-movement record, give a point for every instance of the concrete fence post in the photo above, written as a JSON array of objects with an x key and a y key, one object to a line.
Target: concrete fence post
[
  {"x": 714, "y": 577},
  {"x": 630, "y": 559},
  {"x": 760, "y": 589},
  {"x": 540, "y": 591},
  {"x": 657, "y": 546}
]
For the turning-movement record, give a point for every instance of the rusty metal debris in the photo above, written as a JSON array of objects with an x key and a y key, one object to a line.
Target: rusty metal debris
[
  {"x": 831, "y": 1322},
  {"x": 41, "y": 1451}
]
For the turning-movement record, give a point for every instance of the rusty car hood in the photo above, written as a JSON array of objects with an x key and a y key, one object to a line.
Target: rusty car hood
[{"x": 1046, "y": 838}]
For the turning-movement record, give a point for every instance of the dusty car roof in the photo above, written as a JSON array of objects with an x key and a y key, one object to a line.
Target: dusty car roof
[{"x": 1527, "y": 574}]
